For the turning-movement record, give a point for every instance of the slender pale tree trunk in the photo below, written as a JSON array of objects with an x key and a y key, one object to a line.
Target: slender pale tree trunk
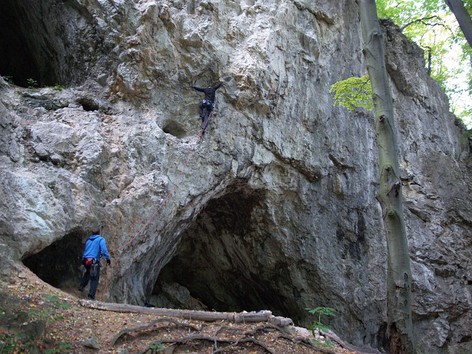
[
  {"x": 462, "y": 16},
  {"x": 400, "y": 327}
]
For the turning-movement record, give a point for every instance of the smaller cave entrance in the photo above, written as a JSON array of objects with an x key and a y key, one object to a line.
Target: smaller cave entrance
[
  {"x": 17, "y": 62},
  {"x": 40, "y": 43},
  {"x": 59, "y": 263},
  {"x": 230, "y": 261}
]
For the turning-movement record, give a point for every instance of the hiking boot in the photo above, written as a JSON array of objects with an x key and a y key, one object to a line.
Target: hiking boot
[{"x": 90, "y": 297}]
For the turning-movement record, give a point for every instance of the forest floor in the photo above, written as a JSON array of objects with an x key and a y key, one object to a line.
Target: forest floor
[{"x": 38, "y": 318}]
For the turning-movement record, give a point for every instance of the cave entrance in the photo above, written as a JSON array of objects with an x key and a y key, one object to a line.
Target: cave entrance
[
  {"x": 229, "y": 260},
  {"x": 37, "y": 42},
  {"x": 59, "y": 263}
]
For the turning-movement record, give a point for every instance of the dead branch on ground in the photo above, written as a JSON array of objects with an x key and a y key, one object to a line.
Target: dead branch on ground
[
  {"x": 232, "y": 343},
  {"x": 146, "y": 327}
]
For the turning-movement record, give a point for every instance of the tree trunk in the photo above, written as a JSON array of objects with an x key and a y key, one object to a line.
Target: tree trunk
[
  {"x": 400, "y": 327},
  {"x": 463, "y": 18}
]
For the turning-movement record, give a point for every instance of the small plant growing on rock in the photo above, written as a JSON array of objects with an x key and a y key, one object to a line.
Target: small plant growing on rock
[
  {"x": 155, "y": 347},
  {"x": 319, "y": 312},
  {"x": 318, "y": 326},
  {"x": 32, "y": 83}
]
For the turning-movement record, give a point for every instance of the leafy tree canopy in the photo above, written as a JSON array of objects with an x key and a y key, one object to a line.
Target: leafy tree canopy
[
  {"x": 434, "y": 28},
  {"x": 352, "y": 93}
]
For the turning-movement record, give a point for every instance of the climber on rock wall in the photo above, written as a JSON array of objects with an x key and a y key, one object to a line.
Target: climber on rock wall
[{"x": 207, "y": 104}]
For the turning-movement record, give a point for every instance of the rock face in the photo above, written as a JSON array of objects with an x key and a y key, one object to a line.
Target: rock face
[{"x": 274, "y": 207}]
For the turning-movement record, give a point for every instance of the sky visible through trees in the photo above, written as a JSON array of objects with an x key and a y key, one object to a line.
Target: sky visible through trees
[{"x": 434, "y": 28}]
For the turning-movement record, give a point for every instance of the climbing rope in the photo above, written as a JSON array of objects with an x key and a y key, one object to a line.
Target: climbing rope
[
  {"x": 167, "y": 198},
  {"x": 143, "y": 226}
]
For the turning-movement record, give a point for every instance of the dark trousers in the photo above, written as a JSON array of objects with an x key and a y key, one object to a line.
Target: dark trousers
[
  {"x": 205, "y": 109},
  {"x": 93, "y": 281}
]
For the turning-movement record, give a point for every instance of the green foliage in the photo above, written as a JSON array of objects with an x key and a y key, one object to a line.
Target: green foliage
[
  {"x": 404, "y": 11},
  {"x": 58, "y": 87},
  {"x": 155, "y": 347},
  {"x": 434, "y": 28},
  {"x": 352, "y": 93},
  {"x": 465, "y": 139},
  {"x": 319, "y": 312},
  {"x": 8, "y": 343},
  {"x": 61, "y": 348},
  {"x": 57, "y": 302},
  {"x": 317, "y": 325},
  {"x": 50, "y": 313},
  {"x": 32, "y": 83},
  {"x": 39, "y": 314},
  {"x": 465, "y": 116},
  {"x": 16, "y": 343},
  {"x": 19, "y": 343}
]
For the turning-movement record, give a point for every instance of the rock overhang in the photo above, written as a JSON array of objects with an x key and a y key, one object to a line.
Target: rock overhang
[{"x": 274, "y": 119}]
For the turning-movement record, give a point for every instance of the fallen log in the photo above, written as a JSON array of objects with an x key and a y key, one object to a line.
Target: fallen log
[
  {"x": 130, "y": 330},
  {"x": 358, "y": 350},
  {"x": 280, "y": 321},
  {"x": 207, "y": 316}
]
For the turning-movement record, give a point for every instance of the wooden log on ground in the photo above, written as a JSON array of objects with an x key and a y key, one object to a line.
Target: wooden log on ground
[
  {"x": 207, "y": 316},
  {"x": 280, "y": 321},
  {"x": 358, "y": 350}
]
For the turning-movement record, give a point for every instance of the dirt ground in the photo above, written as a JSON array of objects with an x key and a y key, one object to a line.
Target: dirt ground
[{"x": 38, "y": 318}]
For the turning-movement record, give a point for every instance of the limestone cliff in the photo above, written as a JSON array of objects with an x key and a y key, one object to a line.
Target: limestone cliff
[{"x": 275, "y": 207}]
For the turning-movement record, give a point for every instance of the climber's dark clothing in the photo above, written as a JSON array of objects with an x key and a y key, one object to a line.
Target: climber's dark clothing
[
  {"x": 210, "y": 92},
  {"x": 93, "y": 278},
  {"x": 206, "y": 106}
]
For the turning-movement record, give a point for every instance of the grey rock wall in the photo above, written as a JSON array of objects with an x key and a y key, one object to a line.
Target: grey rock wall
[{"x": 276, "y": 205}]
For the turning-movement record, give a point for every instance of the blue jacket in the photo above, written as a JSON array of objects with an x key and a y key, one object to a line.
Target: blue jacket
[{"x": 95, "y": 247}]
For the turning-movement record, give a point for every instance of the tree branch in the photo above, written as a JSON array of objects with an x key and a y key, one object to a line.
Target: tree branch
[
  {"x": 130, "y": 330},
  {"x": 215, "y": 340},
  {"x": 423, "y": 21}
]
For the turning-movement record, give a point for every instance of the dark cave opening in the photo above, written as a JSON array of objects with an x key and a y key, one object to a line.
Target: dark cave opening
[
  {"x": 174, "y": 128},
  {"x": 39, "y": 43},
  {"x": 17, "y": 62},
  {"x": 59, "y": 263},
  {"x": 228, "y": 261}
]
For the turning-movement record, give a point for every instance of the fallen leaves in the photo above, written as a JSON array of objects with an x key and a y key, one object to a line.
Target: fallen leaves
[{"x": 72, "y": 328}]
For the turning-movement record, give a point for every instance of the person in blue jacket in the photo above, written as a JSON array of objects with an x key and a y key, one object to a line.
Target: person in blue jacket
[{"x": 95, "y": 248}]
